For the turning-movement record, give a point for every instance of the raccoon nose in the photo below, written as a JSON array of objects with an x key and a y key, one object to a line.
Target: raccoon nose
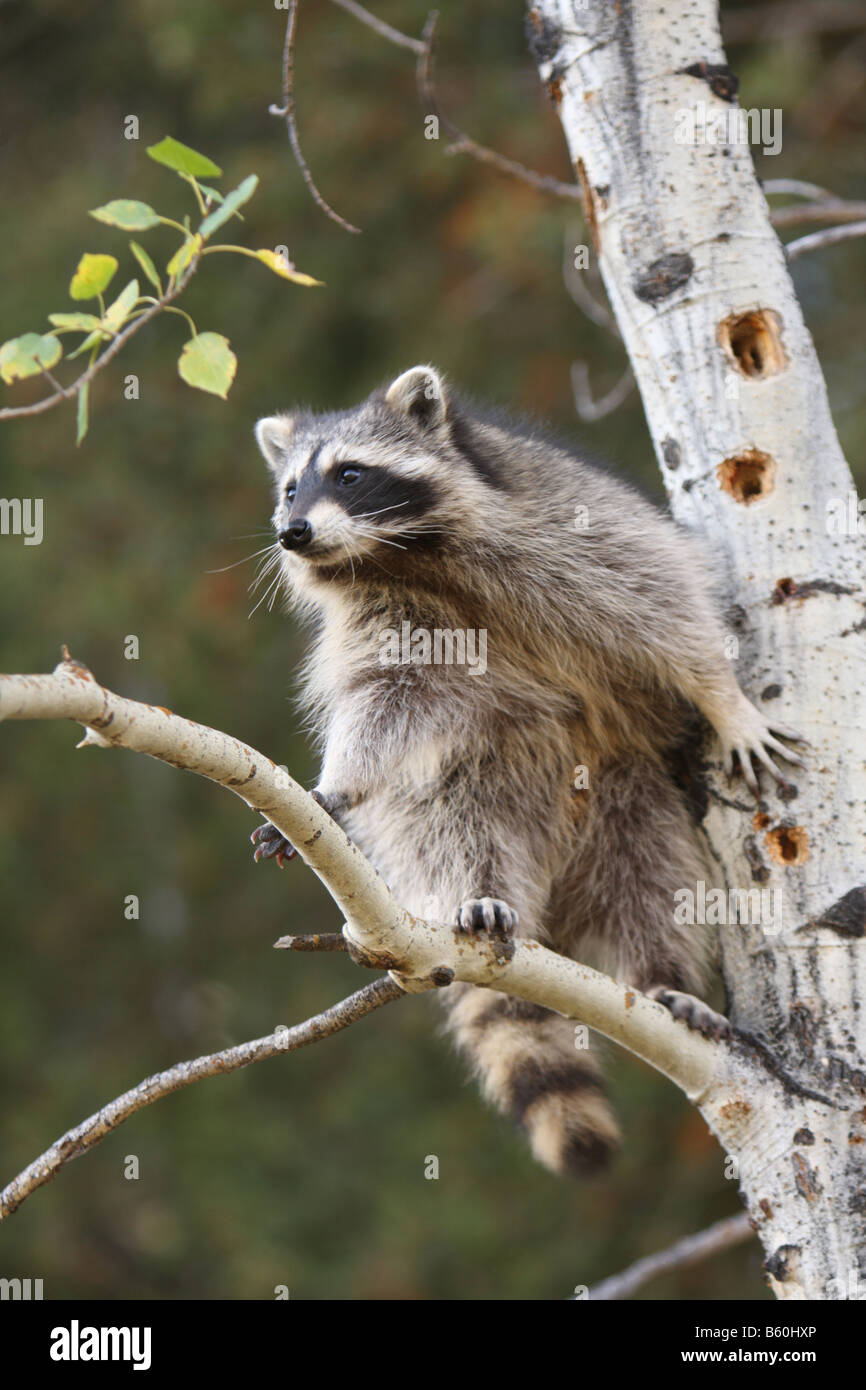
[{"x": 296, "y": 535}]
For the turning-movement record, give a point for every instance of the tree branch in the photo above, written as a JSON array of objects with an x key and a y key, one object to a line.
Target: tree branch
[
  {"x": 591, "y": 410},
  {"x": 462, "y": 143},
  {"x": 819, "y": 205},
  {"x": 65, "y": 394},
  {"x": 829, "y": 237},
  {"x": 93, "y": 1130},
  {"x": 379, "y": 932},
  {"x": 287, "y": 110},
  {"x": 379, "y": 27},
  {"x": 326, "y": 941},
  {"x": 685, "y": 1253}
]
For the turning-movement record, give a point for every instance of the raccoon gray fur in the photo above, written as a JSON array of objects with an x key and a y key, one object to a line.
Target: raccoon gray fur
[{"x": 602, "y": 642}]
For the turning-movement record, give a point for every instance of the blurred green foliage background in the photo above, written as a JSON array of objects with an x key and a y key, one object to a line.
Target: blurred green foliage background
[{"x": 307, "y": 1171}]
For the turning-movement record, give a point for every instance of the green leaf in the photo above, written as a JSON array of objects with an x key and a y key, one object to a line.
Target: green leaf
[
  {"x": 282, "y": 268},
  {"x": 184, "y": 254},
  {"x": 90, "y": 341},
  {"x": 146, "y": 264},
  {"x": 82, "y": 323},
  {"x": 212, "y": 193},
  {"x": 83, "y": 414},
  {"x": 116, "y": 313},
  {"x": 208, "y": 363},
  {"x": 182, "y": 159},
  {"x": 92, "y": 276},
  {"x": 127, "y": 214},
  {"x": 229, "y": 205},
  {"x": 27, "y": 355}
]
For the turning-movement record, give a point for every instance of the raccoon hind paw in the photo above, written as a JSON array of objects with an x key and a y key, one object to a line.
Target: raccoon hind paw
[{"x": 694, "y": 1012}]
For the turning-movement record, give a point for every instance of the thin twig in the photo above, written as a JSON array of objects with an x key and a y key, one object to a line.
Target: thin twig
[
  {"x": 576, "y": 284},
  {"x": 52, "y": 381},
  {"x": 686, "y": 1252},
  {"x": 820, "y": 206},
  {"x": 380, "y": 27},
  {"x": 94, "y": 1129},
  {"x": 832, "y": 210},
  {"x": 287, "y": 110},
  {"x": 61, "y": 394},
  {"x": 828, "y": 237},
  {"x": 462, "y": 143},
  {"x": 796, "y": 188},
  {"x": 589, "y": 409},
  {"x": 320, "y": 941}
]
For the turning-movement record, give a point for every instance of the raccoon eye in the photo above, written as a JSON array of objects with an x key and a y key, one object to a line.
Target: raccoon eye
[{"x": 349, "y": 475}]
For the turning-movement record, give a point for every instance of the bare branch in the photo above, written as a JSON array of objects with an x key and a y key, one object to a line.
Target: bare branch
[
  {"x": 462, "y": 143},
  {"x": 326, "y": 941},
  {"x": 93, "y": 1130},
  {"x": 380, "y": 27},
  {"x": 796, "y": 188},
  {"x": 829, "y": 237},
  {"x": 592, "y": 410},
  {"x": 831, "y": 210},
  {"x": 820, "y": 206},
  {"x": 65, "y": 394},
  {"x": 576, "y": 284},
  {"x": 686, "y": 1252},
  {"x": 287, "y": 110}
]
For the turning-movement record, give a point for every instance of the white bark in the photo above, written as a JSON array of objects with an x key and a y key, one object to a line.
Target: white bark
[{"x": 685, "y": 247}]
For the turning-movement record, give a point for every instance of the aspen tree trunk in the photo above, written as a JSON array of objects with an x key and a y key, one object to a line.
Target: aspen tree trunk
[{"x": 738, "y": 412}]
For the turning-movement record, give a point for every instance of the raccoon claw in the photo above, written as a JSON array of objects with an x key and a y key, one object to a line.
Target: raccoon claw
[
  {"x": 271, "y": 844},
  {"x": 750, "y": 736},
  {"x": 491, "y": 916},
  {"x": 694, "y": 1012}
]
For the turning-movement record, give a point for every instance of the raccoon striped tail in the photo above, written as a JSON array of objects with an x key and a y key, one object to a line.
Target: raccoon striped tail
[{"x": 529, "y": 1067}]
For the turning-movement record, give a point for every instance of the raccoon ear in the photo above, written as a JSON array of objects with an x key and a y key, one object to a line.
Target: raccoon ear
[
  {"x": 272, "y": 436},
  {"x": 420, "y": 394}
]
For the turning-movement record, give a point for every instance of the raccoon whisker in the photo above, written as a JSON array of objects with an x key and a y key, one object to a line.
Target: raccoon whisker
[
  {"x": 396, "y": 544},
  {"x": 275, "y": 589},
  {"x": 365, "y": 516},
  {"x": 265, "y": 569},
  {"x": 374, "y": 535},
  {"x": 270, "y": 592},
  {"x": 349, "y": 558},
  {"x": 225, "y": 568}
]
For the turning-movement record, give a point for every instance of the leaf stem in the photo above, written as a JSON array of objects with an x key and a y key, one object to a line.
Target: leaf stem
[{"x": 173, "y": 309}]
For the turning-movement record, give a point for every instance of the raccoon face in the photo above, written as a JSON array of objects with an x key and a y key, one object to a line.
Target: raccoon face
[{"x": 385, "y": 476}]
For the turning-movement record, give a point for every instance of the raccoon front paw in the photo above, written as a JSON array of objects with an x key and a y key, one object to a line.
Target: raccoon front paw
[
  {"x": 491, "y": 916},
  {"x": 335, "y": 804},
  {"x": 270, "y": 843},
  {"x": 693, "y": 1012},
  {"x": 749, "y": 736}
]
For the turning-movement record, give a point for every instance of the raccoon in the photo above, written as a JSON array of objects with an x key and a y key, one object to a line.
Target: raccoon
[{"x": 535, "y": 791}]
